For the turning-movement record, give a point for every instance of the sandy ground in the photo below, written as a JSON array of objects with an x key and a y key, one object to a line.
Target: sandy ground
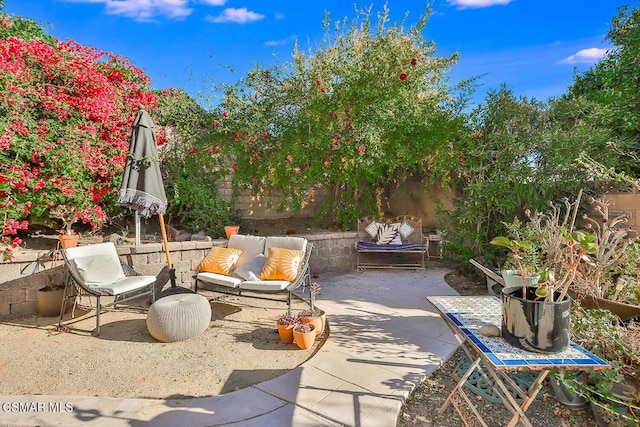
[{"x": 241, "y": 347}]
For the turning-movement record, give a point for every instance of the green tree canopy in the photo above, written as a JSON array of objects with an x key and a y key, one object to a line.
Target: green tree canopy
[{"x": 365, "y": 109}]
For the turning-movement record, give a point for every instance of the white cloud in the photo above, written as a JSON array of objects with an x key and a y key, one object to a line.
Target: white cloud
[
  {"x": 214, "y": 2},
  {"x": 585, "y": 56},
  {"x": 238, "y": 16},
  {"x": 466, "y": 4},
  {"x": 279, "y": 15},
  {"x": 143, "y": 10},
  {"x": 288, "y": 40}
]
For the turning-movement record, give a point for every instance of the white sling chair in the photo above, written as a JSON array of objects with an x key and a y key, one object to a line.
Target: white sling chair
[{"x": 97, "y": 270}]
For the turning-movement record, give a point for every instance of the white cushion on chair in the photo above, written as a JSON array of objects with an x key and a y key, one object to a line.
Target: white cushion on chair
[
  {"x": 124, "y": 285},
  {"x": 219, "y": 279},
  {"x": 99, "y": 269},
  {"x": 288, "y": 242},
  {"x": 264, "y": 285}
]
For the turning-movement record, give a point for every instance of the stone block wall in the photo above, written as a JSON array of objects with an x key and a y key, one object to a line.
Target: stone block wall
[
  {"x": 32, "y": 270},
  {"x": 256, "y": 206}
]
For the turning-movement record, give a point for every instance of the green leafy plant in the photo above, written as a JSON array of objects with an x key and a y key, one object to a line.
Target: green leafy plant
[
  {"x": 563, "y": 248},
  {"x": 605, "y": 335},
  {"x": 65, "y": 115},
  {"x": 363, "y": 111}
]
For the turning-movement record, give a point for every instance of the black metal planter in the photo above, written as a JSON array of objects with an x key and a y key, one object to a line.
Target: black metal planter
[{"x": 538, "y": 326}]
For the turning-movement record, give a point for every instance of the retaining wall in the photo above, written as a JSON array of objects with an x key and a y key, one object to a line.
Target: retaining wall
[{"x": 32, "y": 270}]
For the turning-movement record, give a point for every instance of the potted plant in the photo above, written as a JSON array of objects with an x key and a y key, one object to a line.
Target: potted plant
[
  {"x": 230, "y": 230},
  {"x": 49, "y": 297},
  {"x": 285, "y": 324},
  {"x": 314, "y": 315},
  {"x": 68, "y": 215},
  {"x": 304, "y": 335},
  {"x": 526, "y": 258},
  {"x": 537, "y": 318},
  {"x": 611, "y": 279},
  {"x": 614, "y": 394}
]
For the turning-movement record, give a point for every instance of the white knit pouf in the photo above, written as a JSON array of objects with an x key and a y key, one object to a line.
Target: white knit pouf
[{"x": 178, "y": 317}]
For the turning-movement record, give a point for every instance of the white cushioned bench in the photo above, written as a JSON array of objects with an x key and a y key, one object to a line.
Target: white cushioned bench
[
  {"x": 271, "y": 265},
  {"x": 377, "y": 239}
]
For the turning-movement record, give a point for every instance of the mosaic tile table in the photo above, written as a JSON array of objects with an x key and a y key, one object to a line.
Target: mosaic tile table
[{"x": 465, "y": 315}]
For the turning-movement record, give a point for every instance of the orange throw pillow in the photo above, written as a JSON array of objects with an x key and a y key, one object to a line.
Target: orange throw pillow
[
  {"x": 282, "y": 264},
  {"x": 220, "y": 260}
]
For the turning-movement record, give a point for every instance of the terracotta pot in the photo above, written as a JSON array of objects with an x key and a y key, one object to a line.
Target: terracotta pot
[
  {"x": 49, "y": 302},
  {"x": 318, "y": 322},
  {"x": 286, "y": 333},
  {"x": 231, "y": 230},
  {"x": 69, "y": 240},
  {"x": 304, "y": 340}
]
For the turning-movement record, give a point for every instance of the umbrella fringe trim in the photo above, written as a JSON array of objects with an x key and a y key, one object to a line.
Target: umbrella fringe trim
[{"x": 146, "y": 204}]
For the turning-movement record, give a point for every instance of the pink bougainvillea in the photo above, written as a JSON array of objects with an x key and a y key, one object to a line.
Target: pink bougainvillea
[{"x": 65, "y": 121}]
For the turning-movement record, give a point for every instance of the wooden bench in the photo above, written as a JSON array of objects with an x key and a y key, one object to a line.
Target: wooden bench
[{"x": 409, "y": 241}]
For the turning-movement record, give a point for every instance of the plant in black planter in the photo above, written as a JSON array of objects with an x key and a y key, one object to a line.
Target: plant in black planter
[{"x": 537, "y": 318}]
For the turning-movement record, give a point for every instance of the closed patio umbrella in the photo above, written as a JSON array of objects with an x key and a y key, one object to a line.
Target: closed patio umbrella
[{"x": 142, "y": 188}]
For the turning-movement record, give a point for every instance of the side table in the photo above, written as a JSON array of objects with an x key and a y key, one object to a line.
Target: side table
[{"x": 464, "y": 315}]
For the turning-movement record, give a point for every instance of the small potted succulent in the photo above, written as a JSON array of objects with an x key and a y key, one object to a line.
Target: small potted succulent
[
  {"x": 68, "y": 215},
  {"x": 285, "y": 324},
  {"x": 304, "y": 335},
  {"x": 314, "y": 315}
]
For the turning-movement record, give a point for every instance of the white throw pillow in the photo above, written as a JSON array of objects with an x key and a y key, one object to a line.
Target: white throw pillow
[
  {"x": 389, "y": 234},
  {"x": 251, "y": 269},
  {"x": 372, "y": 229}
]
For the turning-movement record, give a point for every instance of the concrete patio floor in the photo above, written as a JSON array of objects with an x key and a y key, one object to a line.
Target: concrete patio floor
[{"x": 384, "y": 340}]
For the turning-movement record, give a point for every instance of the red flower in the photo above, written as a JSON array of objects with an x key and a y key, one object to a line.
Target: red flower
[
  {"x": 255, "y": 154},
  {"x": 414, "y": 61},
  {"x": 264, "y": 134},
  {"x": 403, "y": 76},
  {"x": 323, "y": 90},
  {"x": 318, "y": 82},
  {"x": 216, "y": 124},
  {"x": 334, "y": 141},
  {"x": 326, "y": 164},
  {"x": 461, "y": 159},
  {"x": 192, "y": 151},
  {"x": 225, "y": 114},
  {"x": 234, "y": 166}
]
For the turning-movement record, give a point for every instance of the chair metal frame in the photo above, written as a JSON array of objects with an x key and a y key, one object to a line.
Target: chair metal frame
[{"x": 75, "y": 284}]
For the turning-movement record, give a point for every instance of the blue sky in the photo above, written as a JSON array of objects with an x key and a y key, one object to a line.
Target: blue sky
[{"x": 533, "y": 46}]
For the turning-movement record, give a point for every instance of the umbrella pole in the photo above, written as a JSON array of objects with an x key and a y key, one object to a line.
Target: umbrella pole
[
  {"x": 172, "y": 273},
  {"x": 137, "y": 223}
]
